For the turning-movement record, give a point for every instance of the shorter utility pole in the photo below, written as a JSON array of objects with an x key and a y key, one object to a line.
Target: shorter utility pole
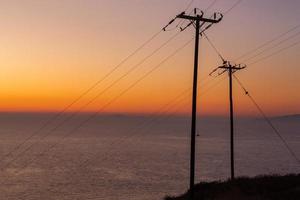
[{"x": 227, "y": 66}]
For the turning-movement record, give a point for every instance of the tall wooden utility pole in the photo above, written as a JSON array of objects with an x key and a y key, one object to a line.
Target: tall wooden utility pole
[{"x": 195, "y": 21}]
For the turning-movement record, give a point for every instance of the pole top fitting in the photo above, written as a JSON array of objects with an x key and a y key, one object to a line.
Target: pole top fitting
[{"x": 226, "y": 66}]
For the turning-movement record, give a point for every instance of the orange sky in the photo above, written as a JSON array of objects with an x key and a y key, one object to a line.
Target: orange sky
[{"x": 52, "y": 51}]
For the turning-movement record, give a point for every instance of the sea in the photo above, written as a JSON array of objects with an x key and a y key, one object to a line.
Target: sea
[{"x": 46, "y": 156}]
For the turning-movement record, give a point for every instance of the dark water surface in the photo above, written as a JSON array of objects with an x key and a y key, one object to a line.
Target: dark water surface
[{"x": 133, "y": 157}]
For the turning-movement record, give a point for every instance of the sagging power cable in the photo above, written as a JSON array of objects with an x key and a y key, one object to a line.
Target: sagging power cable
[
  {"x": 268, "y": 42},
  {"x": 105, "y": 156},
  {"x": 214, "y": 47},
  {"x": 93, "y": 115},
  {"x": 133, "y": 68},
  {"x": 92, "y": 87},
  {"x": 269, "y": 122}
]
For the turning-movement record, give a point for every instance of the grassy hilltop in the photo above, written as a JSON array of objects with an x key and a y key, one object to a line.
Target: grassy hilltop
[{"x": 258, "y": 188}]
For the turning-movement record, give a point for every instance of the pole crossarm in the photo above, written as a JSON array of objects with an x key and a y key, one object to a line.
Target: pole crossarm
[
  {"x": 226, "y": 67},
  {"x": 234, "y": 67},
  {"x": 216, "y": 18},
  {"x": 201, "y": 18},
  {"x": 164, "y": 28}
]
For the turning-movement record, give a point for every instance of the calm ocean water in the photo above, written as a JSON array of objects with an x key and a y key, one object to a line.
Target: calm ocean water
[{"x": 133, "y": 157}]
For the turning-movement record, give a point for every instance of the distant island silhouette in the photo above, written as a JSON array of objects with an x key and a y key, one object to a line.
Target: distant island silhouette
[{"x": 292, "y": 116}]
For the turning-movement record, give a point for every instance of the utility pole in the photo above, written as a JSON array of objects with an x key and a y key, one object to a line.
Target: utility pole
[
  {"x": 227, "y": 66},
  {"x": 198, "y": 21}
]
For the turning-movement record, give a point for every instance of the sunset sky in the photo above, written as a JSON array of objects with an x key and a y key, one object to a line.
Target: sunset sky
[{"x": 53, "y": 50}]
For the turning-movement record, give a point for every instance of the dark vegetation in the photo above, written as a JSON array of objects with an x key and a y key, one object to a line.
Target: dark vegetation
[{"x": 261, "y": 187}]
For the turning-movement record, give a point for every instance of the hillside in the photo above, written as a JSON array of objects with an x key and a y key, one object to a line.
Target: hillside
[{"x": 261, "y": 187}]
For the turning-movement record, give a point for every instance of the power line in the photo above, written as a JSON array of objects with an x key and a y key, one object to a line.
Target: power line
[
  {"x": 224, "y": 13},
  {"x": 275, "y": 53},
  {"x": 264, "y": 57},
  {"x": 27, "y": 139},
  {"x": 126, "y": 138},
  {"x": 211, "y": 5},
  {"x": 161, "y": 112},
  {"x": 247, "y": 93},
  {"x": 164, "y": 109},
  {"x": 214, "y": 47},
  {"x": 46, "y": 150},
  {"x": 95, "y": 98},
  {"x": 268, "y": 42},
  {"x": 186, "y": 94},
  {"x": 187, "y": 7},
  {"x": 181, "y": 21},
  {"x": 268, "y": 121},
  {"x": 232, "y": 7},
  {"x": 271, "y": 47},
  {"x": 261, "y": 46},
  {"x": 107, "y": 104},
  {"x": 213, "y": 86},
  {"x": 48, "y": 122},
  {"x": 52, "y": 146}
]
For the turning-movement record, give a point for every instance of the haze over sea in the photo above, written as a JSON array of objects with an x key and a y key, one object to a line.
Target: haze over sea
[{"x": 135, "y": 157}]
